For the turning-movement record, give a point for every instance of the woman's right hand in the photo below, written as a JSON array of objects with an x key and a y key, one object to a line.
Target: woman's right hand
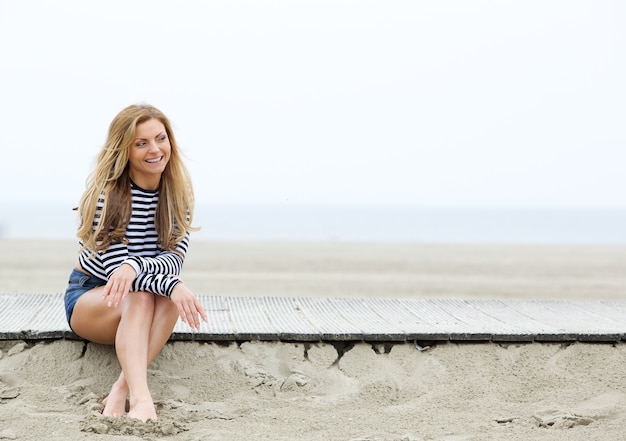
[
  {"x": 119, "y": 285},
  {"x": 189, "y": 308}
]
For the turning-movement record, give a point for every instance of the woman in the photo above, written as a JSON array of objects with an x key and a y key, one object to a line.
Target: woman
[{"x": 135, "y": 220}]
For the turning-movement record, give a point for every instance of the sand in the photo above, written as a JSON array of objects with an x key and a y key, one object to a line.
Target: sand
[{"x": 320, "y": 391}]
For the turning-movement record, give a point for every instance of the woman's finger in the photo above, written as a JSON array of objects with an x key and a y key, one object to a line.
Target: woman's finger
[
  {"x": 106, "y": 291},
  {"x": 117, "y": 293},
  {"x": 192, "y": 317},
  {"x": 182, "y": 314},
  {"x": 200, "y": 310}
]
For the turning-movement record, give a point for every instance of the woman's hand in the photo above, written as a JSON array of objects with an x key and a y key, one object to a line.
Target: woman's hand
[
  {"x": 188, "y": 306},
  {"x": 119, "y": 285}
]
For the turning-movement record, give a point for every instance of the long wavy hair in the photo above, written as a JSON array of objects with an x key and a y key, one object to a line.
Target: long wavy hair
[{"x": 109, "y": 184}]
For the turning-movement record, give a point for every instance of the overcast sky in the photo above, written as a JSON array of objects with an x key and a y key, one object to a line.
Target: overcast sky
[{"x": 420, "y": 103}]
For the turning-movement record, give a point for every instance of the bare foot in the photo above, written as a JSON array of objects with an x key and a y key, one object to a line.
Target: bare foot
[
  {"x": 115, "y": 402},
  {"x": 143, "y": 410}
]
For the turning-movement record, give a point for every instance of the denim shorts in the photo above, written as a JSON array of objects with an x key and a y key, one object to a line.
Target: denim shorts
[{"x": 78, "y": 284}]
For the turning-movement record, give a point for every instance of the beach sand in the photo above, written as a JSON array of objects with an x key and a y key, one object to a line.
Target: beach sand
[{"x": 320, "y": 391}]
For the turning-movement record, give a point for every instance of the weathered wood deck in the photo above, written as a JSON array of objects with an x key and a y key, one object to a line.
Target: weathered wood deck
[{"x": 42, "y": 316}]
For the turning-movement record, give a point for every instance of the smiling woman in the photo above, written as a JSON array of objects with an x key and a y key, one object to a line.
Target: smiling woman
[
  {"x": 135, "y": 219},
  {"x": 149, "y": 154}
]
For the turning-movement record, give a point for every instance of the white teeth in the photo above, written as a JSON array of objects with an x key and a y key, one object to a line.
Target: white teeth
[{"x": 154, "y": 160}]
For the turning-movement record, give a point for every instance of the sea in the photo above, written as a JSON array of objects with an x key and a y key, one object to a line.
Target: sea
[{"x": 221, "y": 222}]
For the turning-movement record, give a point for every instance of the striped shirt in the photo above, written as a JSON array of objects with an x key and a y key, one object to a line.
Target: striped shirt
[{"x": 157, "y": 270}]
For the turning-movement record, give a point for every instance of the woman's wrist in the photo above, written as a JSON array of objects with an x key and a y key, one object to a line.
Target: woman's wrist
[
  {"x": 133, "y": 264},
  {"x": 173, "y": 286}
]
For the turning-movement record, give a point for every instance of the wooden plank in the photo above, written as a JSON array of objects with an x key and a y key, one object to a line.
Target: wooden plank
[
  {"x": 576, "y": 314},
  {"x": 26, "y": 316},
  {"x": 606, "y": 310},
  {"x": 446, "y": 318},
  {"x": 476, "y": 325},
  {"x": 250, "y": 320},
  {"x": 333, "y": 325},
  {"x": 579, "y": 320},
  {"x": 42, "y": 316},
  {"x": 430, "y": 311},
  {"x": 551, "y": 326},
  {"x": 404, "y": 317},
  {"x": 287, "y": 316},
  {"x": 218, "y": 327},
  {"x": 373, "y": 326},
  {"x": 14, "y": 314},
  {"x": 412, "y": 321},
  {"x": 46, "y": 319},
  {"x": 512, "y": 325}
]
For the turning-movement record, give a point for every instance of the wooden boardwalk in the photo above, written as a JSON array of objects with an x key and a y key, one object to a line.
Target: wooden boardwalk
[{"x": 42, "y": 316}]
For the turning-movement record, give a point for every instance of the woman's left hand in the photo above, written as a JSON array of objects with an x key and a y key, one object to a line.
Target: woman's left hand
[{"x": 188, "y": 306}]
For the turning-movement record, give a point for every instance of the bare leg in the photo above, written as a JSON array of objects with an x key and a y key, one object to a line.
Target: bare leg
[
  {"x": 139, "y": 328},
  {"x": 164, "y": 320},
  {"x": 131, "y": 345}
]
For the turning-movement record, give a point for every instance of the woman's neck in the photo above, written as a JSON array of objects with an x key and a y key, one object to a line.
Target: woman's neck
[{"x": 147, "y": 183}]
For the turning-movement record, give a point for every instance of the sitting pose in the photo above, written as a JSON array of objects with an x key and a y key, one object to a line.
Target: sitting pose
[{"x": 135, "y": 218}]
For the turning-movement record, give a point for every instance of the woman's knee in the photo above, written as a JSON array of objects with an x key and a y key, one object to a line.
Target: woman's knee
[
  {"x": 141, "y": 300},
  {"x": 166, "y": 306}
]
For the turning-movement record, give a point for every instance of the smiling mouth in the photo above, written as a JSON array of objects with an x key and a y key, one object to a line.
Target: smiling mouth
[{"x": 154, "y": 160}]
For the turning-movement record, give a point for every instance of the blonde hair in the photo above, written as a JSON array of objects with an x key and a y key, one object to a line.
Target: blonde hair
[{"x": 110, "y": 183}]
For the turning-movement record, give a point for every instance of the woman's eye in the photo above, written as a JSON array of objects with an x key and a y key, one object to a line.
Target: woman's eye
[
  {"x": 140, "y": 144},
  {"x": 162, "y": 138}
]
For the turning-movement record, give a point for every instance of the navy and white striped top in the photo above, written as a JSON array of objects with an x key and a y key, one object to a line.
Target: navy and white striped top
[{"x": 157, "y": 270}]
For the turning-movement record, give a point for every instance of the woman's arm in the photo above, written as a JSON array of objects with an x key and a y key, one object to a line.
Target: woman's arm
[
  {"x": 158, "y": 275},
  {"x": 167, "y": 262}
]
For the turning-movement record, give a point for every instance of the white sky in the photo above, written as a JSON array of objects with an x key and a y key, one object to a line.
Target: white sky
[{"x": 454, "y": 103}]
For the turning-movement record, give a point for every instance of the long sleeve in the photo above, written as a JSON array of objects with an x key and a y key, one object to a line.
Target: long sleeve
[
  {"x": 166, "y": 262},
  {"x": 161, "y": 283},
  {"x": 157, "y": 270}
]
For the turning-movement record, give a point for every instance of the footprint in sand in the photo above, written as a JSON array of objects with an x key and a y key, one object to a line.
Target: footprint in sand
[
  {"x": 96, "y": 423},
  {"x": 9, "y": 386},
  {"x": 608, "y": 405},
  {"x": 179, "y": 391},
  {"x": 560, "y": 420}
]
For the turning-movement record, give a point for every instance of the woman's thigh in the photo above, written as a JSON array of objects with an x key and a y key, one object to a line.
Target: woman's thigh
[
  {"x": 93, "y": 320},
  {"x": 77, "y": 285}
]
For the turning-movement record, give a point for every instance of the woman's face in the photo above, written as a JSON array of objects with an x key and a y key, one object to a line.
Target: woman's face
[{"x": 149, "y": 154}]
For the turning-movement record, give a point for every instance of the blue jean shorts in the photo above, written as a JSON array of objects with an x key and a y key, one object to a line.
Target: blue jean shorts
[{"x": 78, "y": 284}]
